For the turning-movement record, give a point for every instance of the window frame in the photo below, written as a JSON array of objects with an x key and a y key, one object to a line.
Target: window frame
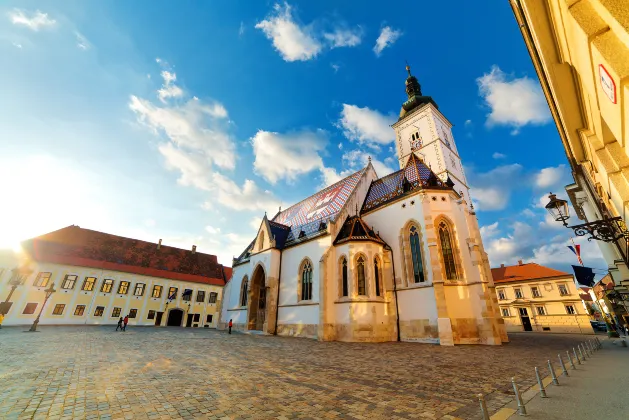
[
  {"x": 200, "y": 296},
  {"x": 305, "y": 283},
  {"x": 170, "y": 293},
  {"x": 76, "y": 309},
  {"x": 449, "y": 254},
  {"x": 151, "y": 314},
  {"x": 67, "y": 279},
  {"x": 344, "y": 278},
  {"x": 135, "y": 289},
  {"x": 565, "y": 287},
  {"x": 502, "y": 294},
  {"x": 111, "y": 284},
  {"x": 213, "y": 295},
  {"x": 361, "y": 277},
  {"x": 377, "y": 276},
  {"x": 39, "y": 279},
  {"x": 535, "y": 293},
  {"x": 133, "y": 313},
  {"x": 540, "y": 310},
  {"x": 125, "y": 284},
  {"x": 417, "y": 263},
  {"x": 503, "y": 310},
  {"x": 61, "y": 306},
  {"x": 85, "y": 283},
  {"x": 518, "y": 293},
  {"x": 244, "y": 291},
  {"x": 157, "y": 287},
  {"x": 114, "y": 313},
  {"x": 101, "y": 309},
  {"x": 187, "y": 297},
  {"x": 572, "y": 307}
]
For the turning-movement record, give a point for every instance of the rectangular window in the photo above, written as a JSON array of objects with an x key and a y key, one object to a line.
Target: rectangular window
[
  {"x": 518, "y": 293},
  {"x": 570, "y": 310},
  {"x": 133, "y": 313},
  {"x": 151, "y": 315},
  {"x": 540, "y": 310},
  {"x": 201, "y": 296},
  {"x": 535, "y": 292},
  {"x": 79, "y": 310},
  {"x": 99, "y": 311},
  {"x": 139, "y": 289},
  {"x": 42, "y": 279},
  {"x": 59, "y": 307},
  {"x": 108, "y": 284},
  {"x": 68, "y": 281},
  {"x": 208, "y": 319},
  {"x": 172, "y": 293},
  {"x": 115, "y": 313},
  {"x": 123, "y": 287},
  {"x": 523, "y": 312},
  {"x": 196, "y": 317},
  {"x": 563, "y": 290},
  {"x": 502, "y": 295},
  {"x": 186, "y": 295},
  {"x": 505, "y": 312},
  {"x": 157, "y": 291},
  {"x": 213, "y": 296},
  {"x": 29, "y": 309},
  {"x": 88, "y": 284}
]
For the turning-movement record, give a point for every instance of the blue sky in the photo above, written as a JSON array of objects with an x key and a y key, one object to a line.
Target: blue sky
[{"x": 186, "y": 121}]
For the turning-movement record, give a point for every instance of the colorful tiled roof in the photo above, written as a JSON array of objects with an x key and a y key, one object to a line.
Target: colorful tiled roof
[
  {"x": 73, "y": 245},
  {"x": 355, "y": 229},
  {"x": 415, "y": 175},
  {"x": 524, "y": 272}
]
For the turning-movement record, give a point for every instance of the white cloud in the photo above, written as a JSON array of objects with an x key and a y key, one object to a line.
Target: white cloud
[
  {"x": 285, "y": 156},
  {"x": 498, "y": 155},
  {"x": 344, "y": 37},
  {"x": 17, "y": 45},
  {"x": 490, "y": 195},
  {"x": 213, "y": 230},
  {"x": 169, "y": 89},
  {"x": 387, "y": 37},
  {"x": 514, "y": 102},
  {"x": 82, "y": 42},
  {"x": 247, "y": 197},
  {"x": 356, "y": 159},
  {"x": 293, "y": 42},
  {"x": 241, "y": 29},
  {"x": 489, "y": 230},
  {"x": 336, "y": 67},
  {"x": 550, "y": 177},
  {"x": 255, "y": 223},
  {"x": 468, "y": 123},
  {"x": 490, "y": 198},
  {"x": 365, "y": 125},
  {"x": 32, "y": 20}
]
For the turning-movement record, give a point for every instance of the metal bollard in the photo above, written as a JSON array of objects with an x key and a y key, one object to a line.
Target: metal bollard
[
  {"x": 587, "y": 349},
  {"x": 483, "y": 407},
  {"x": 580, "y": 352},
  {"x": 563, "y": 367},
  {"x": 589, "y": 343},
  {"x": 600, "y": 344},
  {"x": 576, "y": 356},
  {"x": 552, "y": 373},
  {"x": 542, "y": 390},
  {"x": 518, "y": 397},
  {"x": 570, "y": 360}
]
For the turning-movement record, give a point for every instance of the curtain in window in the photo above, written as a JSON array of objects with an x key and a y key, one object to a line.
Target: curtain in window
[
  {"x": 416, "y": 255},
  {"x": 447, "y": 252}
]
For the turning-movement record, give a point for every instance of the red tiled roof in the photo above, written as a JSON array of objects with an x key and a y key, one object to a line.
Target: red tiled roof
[
  {"x": 523, "y": 272},
  {"x": 73, "y": 245}
]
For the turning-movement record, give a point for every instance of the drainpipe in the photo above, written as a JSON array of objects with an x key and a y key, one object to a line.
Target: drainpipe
[
  {"x": 277, "y": 303},
  {"x": 397, "y": 311}
]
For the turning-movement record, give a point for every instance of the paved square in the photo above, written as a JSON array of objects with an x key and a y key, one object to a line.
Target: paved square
[{"x": 148, "y": 373}]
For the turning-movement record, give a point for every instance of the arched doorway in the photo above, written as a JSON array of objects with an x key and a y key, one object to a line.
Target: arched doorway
[
  {"x": 175, "y": 316},
  {"x": 257, "y": 300}
]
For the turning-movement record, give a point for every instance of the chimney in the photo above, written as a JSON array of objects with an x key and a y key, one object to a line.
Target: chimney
[
  {"x": 194, "y": 249},
  {"x": 519, "y": 262},
  {"x": 159, "y": 244},
  {"x": 502, "y": 266}
]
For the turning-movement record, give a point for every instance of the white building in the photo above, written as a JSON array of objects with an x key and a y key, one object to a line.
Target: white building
[{"x": 376, "y": 259}]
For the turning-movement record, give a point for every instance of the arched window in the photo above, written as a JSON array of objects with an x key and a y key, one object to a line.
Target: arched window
[
  {"x": 360, "y": 270},
  {"x": 244, "y": 291},
  {"x": 345, "y": 288},
  {"x": 306, "y": 281},
  {"x": 413, "y": 136},
  {"x": 376, "y": 275},
  {"x": 261, "y": 242},
  {"x": 447, "y": 251},
  {"x": 416, "y": 255}
]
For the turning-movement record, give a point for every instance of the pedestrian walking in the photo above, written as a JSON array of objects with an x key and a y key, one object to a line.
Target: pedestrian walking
[
  {"x": 120, "y": 325},
  {"x": 125, "y": 321},
  {"x": 230, "y": 326}
]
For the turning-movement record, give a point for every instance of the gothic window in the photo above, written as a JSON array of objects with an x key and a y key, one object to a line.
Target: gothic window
[
  {"x": 376, "y": 275},
  {"x": 360, "y": 270},
  {"x": 345, "y": 288},
  {"x": 416, "y": 255},
  {"x": 243, "y": 292},
  {"x": 447, "y": 251},
  {"x": 306, "y": 281}
]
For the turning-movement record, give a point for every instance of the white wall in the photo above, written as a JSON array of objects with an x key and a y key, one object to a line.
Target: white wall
[{"x": 291, "y": 261}]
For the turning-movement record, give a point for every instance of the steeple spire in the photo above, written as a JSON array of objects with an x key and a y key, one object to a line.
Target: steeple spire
[{"x": 414, "y": 93}]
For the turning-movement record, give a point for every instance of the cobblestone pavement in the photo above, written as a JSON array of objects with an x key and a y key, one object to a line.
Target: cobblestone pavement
[{"x": 146, "y": 373}]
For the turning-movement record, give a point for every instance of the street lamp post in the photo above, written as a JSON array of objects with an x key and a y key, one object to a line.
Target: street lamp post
[
  {"x": 610, "y": 229},
  {"x": 17, "y": 279},
  {"x": 49, "y": 292}
]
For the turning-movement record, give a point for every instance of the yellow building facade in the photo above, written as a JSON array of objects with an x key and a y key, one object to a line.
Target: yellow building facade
[
  {"x": 532, "y": 297},
  {"x": 580, "y": 50},
  {"x": 96, "y": 287}
]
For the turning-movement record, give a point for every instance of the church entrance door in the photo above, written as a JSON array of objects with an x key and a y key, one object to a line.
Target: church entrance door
[
  {"x": 257, "y": 309},
  {"x": 175, "y": 316}
]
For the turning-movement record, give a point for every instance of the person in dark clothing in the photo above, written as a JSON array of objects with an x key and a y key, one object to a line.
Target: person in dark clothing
[
  {"x": 126, "y": 321},
  {"x": 230, "y": 326},
  {"x": 120, "y": 325}
]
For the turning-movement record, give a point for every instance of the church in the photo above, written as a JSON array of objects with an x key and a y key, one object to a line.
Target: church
[{"x": 369, "y": 259}]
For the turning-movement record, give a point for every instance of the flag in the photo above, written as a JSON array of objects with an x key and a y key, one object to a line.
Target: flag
[
  {"x": 577, "y": 251},
  {"x": 187, "y": 292},
  {"x": 584, "y": 275},
  {"x": 173, "y": 295}
]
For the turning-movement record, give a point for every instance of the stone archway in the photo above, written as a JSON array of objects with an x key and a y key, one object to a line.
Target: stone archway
[
  {"x": 175, "y": 318},
  {"x": 257, "y": 312}
]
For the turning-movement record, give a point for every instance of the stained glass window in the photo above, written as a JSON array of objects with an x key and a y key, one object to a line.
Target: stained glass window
[
  {"x": 360, "y": 265},
  {"x": 376, "y": 276},
  {"x": 306, "y": 282},
  {"x": 416, "y": 255},
  {"x": 344, "y": 275},
  {"x": 243, "y": 297},
  {"x": 447, "y": 251}
]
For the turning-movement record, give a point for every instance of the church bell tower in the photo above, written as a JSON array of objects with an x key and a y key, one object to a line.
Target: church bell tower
[{"x": 423, "y": 130}]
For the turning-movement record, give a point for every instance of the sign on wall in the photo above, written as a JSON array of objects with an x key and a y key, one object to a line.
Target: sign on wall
[{"x": 607, "y": 83}]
